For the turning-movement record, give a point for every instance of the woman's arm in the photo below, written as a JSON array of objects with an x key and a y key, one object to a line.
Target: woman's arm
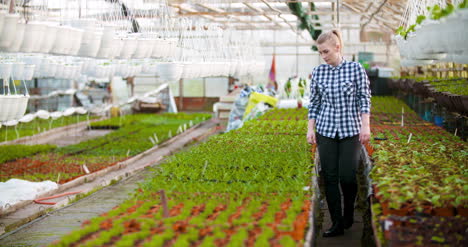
[
  {"x": 364, "y": 135},
  {"x": 364, "y": 95},
  {"x": 313, "y": 110},
  {"x": 311, "y": 132}
]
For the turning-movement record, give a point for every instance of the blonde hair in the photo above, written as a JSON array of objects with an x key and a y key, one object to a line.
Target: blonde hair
[{"x": 334, "y": 35}]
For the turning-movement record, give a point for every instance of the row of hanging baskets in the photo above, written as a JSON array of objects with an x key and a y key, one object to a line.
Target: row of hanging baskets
[
  {"x": 81, "y": 38},
  {"x": 27, "y": 66},
  {"x": 436, "y": 40},
  {"x": 42, "y": 114}
]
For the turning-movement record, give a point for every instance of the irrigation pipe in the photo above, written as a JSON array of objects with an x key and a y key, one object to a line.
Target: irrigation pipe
[{"x": 41, "y": 200}]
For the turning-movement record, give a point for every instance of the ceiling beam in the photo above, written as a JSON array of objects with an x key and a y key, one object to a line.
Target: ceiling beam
[
  {"x": 220, "y": 11},
  {"x": 253, "y": 13},
  {"x": 383, "y": 23},
  {"x": 188, "y": 9}
]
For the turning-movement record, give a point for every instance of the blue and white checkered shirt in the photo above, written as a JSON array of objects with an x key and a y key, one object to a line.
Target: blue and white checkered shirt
[{"x": 338, "y": 96}]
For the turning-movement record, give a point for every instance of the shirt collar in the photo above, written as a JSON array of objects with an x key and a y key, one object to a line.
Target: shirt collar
[{"x": 343, "y": 61}]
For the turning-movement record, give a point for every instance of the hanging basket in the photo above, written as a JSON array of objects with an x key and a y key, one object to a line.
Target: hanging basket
[
  {"x": 49, "y": 39},
  {"x": 90, "y": 43},
  {"x": 17, "y": 71},
  {"x": 18, "y": 39},
  {"x": 8, "y": 30},
  {"x": 169, "y": 71},
  {"x": 5, "y": 70},
  {"x": 129, "y": 48},
  {"x": 12, "y": 107},
  {"x": 33, "y": 35},
  {"x": 76, "y": 35},
  {"x": 61, "y": 44}
]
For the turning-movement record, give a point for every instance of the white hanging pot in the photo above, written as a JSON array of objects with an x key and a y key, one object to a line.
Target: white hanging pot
[
  {"x": 90, "y": 43},
  {"x": 8, "y": 31},
  {"x": 81, "y": 110},
  {"x": 39, "y": 39},
  {"x": 76, "y": 35},
  {"x": 3, "y": 107},
  {"x": 54, "y": 70},
  {"x": 2, "y": 21},
  {"x": 28, "y": 72},
  {"x": 11, "y": 106},
  {"x": 18, "y": 39},
  {"x": 10, "y": 123},
  {"x": 5, "y": 70},
  {"x": 61, "y": 39},
  {"x": 121, "y": 69},
  {"x": 170, "y": 71},
  {"x": 172, "y": 48},
  {"x": 17, "y": 71},
  {"x": 144, "y": 48},
  {"x": 107, "y": 40},
  {"x": 116, "y": 48},
  {"x": 42, "y": 114},
  {"x": 33, "y": 36},
  {"x": 68, "y": 112},
  {"x": 49, "y": 39},
  {"x": 56, "y": 114},
  {"x": 22, "y": 105},
  {"x": 129, "y": 48},
  {"x": 150, "y": 67},
  {"x": 158, "y": 48},
  {"x": 27, "y": 118}
]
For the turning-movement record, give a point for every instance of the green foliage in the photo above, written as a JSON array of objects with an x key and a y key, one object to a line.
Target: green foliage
[
  {"x": 13, "y": 152},
  {"x": 241, "y": 171},
  {"x": 435, "y": 13}
]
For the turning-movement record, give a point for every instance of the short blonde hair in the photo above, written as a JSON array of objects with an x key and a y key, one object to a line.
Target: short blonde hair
[{"x": 334, "y": 35}]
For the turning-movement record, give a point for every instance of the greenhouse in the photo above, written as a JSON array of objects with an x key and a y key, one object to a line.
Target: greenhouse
[{"x": 233, "y": 123}]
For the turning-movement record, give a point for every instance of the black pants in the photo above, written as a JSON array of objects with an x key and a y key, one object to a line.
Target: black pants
[{"x": 339, "y": 160}]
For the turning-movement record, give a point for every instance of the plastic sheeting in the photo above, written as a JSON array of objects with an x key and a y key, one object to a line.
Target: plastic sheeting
[{"x": 17, "y": 190}]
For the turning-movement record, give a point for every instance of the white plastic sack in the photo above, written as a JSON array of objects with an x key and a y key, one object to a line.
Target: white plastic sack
[{"x": 16, "y": 190}]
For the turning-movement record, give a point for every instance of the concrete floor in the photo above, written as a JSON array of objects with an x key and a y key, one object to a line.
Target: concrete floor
[
  {"x": 56, "y": 224},
  {"x": 351, "y": 237}
]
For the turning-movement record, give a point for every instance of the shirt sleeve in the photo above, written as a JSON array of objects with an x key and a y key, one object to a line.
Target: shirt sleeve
[
  {"x": 363, "y": 90},
  {"x": 314, "y": 98}
]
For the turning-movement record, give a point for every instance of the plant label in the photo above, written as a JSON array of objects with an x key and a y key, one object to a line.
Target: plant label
[
  {"x": 402, "y": 116},
  {"x": 387, "y": 225},
  {"x": 85, "y": 168},
  {"x": 156, "y": 139},
  {"x": 409, "y": 137}
]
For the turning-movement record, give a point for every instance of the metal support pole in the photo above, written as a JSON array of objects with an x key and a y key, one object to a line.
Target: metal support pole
[
  {"x": 12, "y": 7},
  {"x": 181, "y": 94}
]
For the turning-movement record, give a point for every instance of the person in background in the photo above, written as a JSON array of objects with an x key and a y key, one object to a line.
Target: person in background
[{"x": 339, "y": 111}]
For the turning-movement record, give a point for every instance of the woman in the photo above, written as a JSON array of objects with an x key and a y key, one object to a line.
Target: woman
[{"x": 339, "y": 108}]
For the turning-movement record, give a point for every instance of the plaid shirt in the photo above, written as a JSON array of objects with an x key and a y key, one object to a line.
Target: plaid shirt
[{"x": 337, "y": 97}]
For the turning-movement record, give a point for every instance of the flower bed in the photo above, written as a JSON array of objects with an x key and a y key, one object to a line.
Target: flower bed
[
  {"x": 136, "y": 134},
  {"x": 242, "y": 188},
  {"x": 419, "y": 181}
]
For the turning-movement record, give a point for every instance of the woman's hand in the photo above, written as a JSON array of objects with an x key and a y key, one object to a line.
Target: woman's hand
[
  {"x": 364, "y": 135},
  {"x": 311, "y": 132},
  {"x": 311, "y": 137}
]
